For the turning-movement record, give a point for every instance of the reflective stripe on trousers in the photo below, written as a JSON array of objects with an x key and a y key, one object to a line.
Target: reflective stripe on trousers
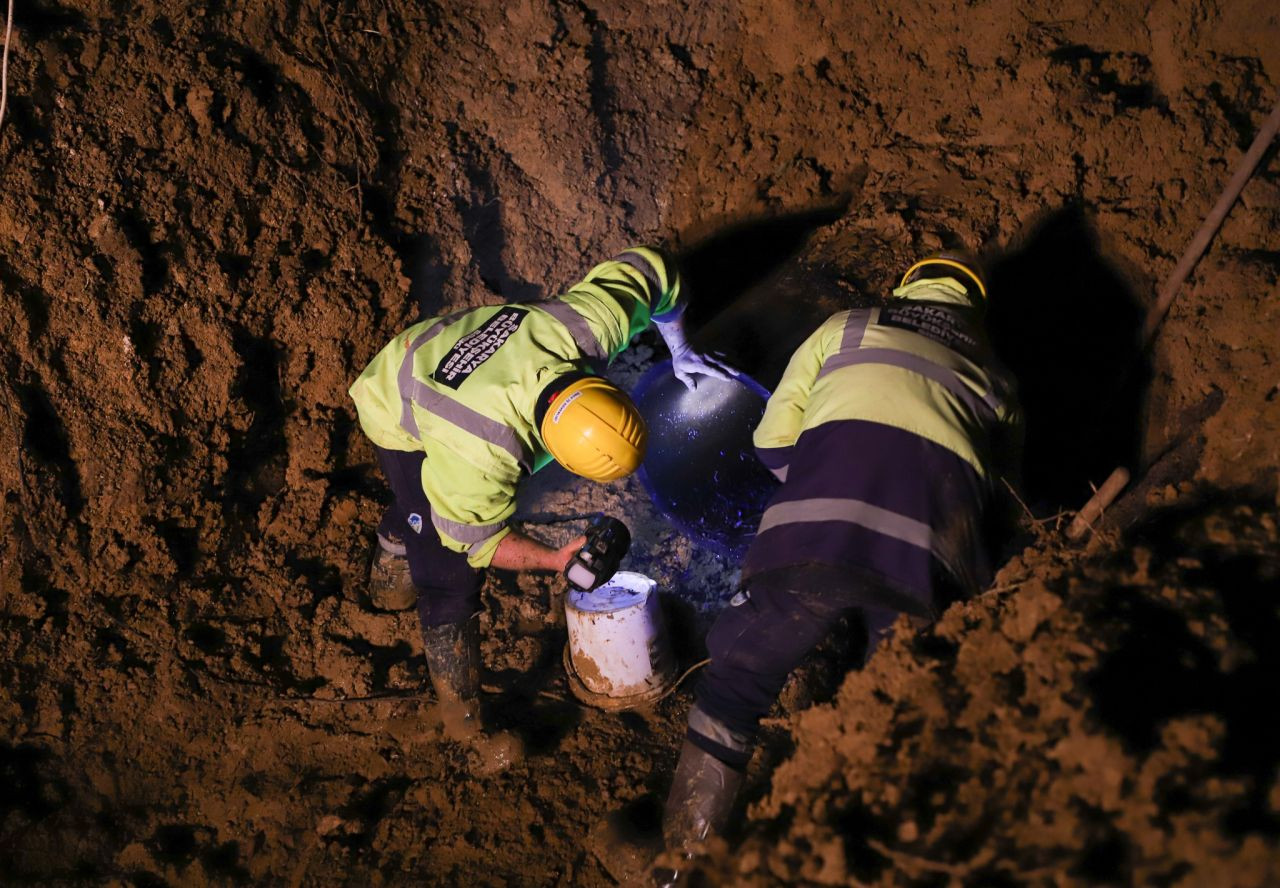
[
  {"x": 713, "y": 729},
  {"x": 852, "y": 511}
]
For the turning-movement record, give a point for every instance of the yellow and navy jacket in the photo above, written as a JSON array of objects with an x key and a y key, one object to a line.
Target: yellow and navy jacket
[
  {"x": 463, "y": 388},
  {"x": 888, "y": 430}
]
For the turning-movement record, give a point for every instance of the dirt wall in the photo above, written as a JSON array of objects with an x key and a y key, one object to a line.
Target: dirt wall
[{"x": 214, "y": 214}]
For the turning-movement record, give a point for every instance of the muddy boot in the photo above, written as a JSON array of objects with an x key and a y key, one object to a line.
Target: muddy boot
[
  {"x": 702, "y": 795},
  {"x": 390, "y": 586},
  {"x": 453, "y": 657}
]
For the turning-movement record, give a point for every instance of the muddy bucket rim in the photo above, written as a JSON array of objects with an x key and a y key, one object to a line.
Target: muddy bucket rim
[
  {"x": 625, "y": 589},
  {"x": 610, "y": 703}
]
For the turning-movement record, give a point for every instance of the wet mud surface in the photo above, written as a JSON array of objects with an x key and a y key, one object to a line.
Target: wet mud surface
[{"x": 213, "y": 215}]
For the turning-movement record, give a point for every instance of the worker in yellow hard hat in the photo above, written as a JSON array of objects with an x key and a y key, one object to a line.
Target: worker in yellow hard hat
[
  {"x": 889, "y": 431},
  {"x": 462, "y": 408}
]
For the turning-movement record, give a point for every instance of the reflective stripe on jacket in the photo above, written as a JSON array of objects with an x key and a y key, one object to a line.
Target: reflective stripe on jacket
[
  {"x": 463, "y": 387},
  {"x": 921, "y": 364},
  {"x": 887, "y": 430}
]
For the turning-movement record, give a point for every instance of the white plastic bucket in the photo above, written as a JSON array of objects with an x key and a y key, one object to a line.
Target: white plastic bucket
[{"x": 618, "y": 651}]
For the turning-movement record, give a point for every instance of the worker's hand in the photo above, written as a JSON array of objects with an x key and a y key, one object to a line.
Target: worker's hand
[
  {"x": 564, "y": 553},
  {"x": 516, "y": 551},
  {"x": 687, "y": 363}
]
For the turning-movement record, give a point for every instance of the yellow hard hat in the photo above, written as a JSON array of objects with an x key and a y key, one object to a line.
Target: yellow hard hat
[
  {"x": 946, "y": 264},
  {"x": 591, "y": 427}
]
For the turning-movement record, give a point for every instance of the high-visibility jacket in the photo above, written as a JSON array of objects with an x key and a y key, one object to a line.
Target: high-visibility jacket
[
  {"x": 463, "y": 388},
  {"x": 888, "y": 424},
  {"x": 921, "y": 364}
]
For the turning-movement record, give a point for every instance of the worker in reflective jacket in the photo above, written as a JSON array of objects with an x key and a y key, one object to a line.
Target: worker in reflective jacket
[
  {"x": 461, "y": 408},
  {"x": 889, "y": 430}
]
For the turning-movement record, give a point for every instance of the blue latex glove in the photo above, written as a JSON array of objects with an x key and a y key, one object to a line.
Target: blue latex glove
[{"x": 686, "y": 363}]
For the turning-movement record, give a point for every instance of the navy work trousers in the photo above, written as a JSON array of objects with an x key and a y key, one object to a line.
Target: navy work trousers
[
  {"x": 448, "y": 587},
  {"x": 755, "y": 643}
]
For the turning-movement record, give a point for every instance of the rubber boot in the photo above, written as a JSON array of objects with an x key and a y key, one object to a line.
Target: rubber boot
[
  {"x": 702, "y": 796},
  {"x": 452, "y": 652},
  {"x": 390, "y": 586}
]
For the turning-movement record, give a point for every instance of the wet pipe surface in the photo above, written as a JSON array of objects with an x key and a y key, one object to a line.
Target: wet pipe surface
[{"x": 700, "y": 469}]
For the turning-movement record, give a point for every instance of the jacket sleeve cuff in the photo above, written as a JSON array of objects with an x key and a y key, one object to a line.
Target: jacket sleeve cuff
[
  {"x": 481, "y": 554},
  {"x": 671, "y": 315}
]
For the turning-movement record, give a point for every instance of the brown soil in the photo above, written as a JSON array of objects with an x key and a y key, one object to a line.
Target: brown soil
[{"x": 213, "y": 215}]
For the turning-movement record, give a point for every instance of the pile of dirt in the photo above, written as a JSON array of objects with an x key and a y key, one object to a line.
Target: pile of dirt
[
  {"x": 1097, "y": 720},
  {"x": 214, "y": 215}
]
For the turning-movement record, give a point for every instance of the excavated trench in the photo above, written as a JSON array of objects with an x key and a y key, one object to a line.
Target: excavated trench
[{"x": 213, "y": 215}]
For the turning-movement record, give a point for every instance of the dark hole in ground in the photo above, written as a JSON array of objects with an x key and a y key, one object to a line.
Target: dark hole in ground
[
  {"x": 183, "y": 544},
  {"x": 1099, "y": 70},
  {"x": 28, "y": 787},
  {"x": 640, "y": 819},
  {"x": 224, "y": 860},
  {"x": 315, "y": 260},
  {"x": 163, "y": 29},
  {"x": 36, "y": 570},
  {"x": 45, "y": 437},
  {"x": 540, "y": 722},
  {"x": 1064, "y": 320},
  {"x": 174, "y": 843},
  {"x": 272, "y": 662},
  {"x": 35, "y": 302},
  {"x": 857, "y": 824},
  {"x": 380, "y": 656},
  {"x": 719, "y": 269},
  {"x": 369, "y": 805},
  {"x": 105, "y": 269},
  {"x": 155, "y": 261},
  {"x": 209, "y": 639},
  {"x": 1158, "y": 669},
  {"x": 1106, "y": 855},
  {"x": 255, "y": 455},
  {"x": 38, "y": 22},
  {"x": 427, "y": 273},
  {"x": 344, "y": 477},
  {"x": 109, "y": 642},
  {"x": 482, "y": 225},
  {"x": 235, "y": 266},
  {"x": 322, "y": 579},
  {"x": 931, "y": 646},
  {"x": 931, "y": 792},
  {"x": 635, "y": 723}
]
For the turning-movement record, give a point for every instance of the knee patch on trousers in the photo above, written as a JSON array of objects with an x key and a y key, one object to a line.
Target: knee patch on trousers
[{"x": 766, "y": 633}]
